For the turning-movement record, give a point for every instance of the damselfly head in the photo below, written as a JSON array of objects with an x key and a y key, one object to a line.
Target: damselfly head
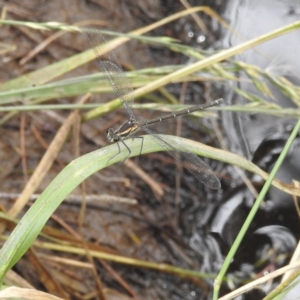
[{"x": 112, "y": 137}]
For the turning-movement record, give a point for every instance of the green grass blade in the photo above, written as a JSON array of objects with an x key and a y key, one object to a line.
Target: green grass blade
[
  {"x": 66, "y": 181},
  {"x": 76, "y": 172}
]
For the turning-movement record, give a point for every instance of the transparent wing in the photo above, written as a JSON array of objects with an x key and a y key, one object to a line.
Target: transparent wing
[
  {"x": 193, "y": 163},
  {"x": 120, "y": 84},
  {"x": 113, "y": 71}
]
